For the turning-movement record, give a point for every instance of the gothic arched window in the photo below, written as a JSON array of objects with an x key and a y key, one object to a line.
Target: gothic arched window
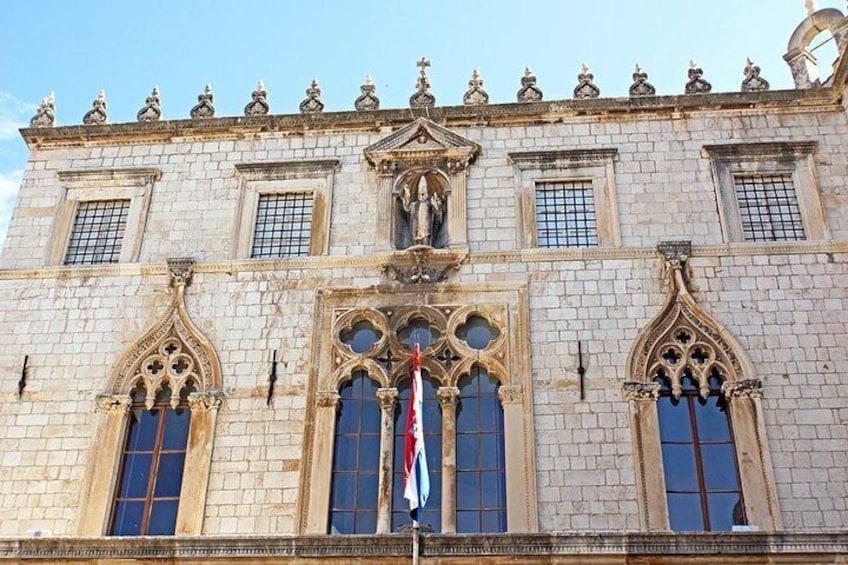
[
  {"x": 480, "y": 461},
  {"x": 152, "y": 464},
  {"x": 356, "y": 458},
  {"x": 703, "y": 489}
]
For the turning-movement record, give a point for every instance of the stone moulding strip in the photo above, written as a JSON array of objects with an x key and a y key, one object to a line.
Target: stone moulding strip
[
  {"x": 562, "y": 159},
  {"x": 477, "y": 258},
  {"x": 239, "y": 127},
  {"x": 585, "y": 546}
]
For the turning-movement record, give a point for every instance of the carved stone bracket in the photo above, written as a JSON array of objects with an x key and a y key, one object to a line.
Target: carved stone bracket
[
  {"x": 511, "y": 394},
  {"x": 327, "y": 398},
  {"x": 747, "y": 388},
  {"x": 421, "y": 264},
  {"x": 387, "y": 398},
  {"x": 205, "y": 400},
  {"x": 113, "y": 402},
  {"x": 448, "y": 395},
  {"x": 181, "y": 271},
  {"x": 675, "y": 252},
  {"x": 637, "y": 391}
]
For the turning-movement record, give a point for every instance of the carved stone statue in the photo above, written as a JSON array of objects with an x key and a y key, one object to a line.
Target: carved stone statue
[{"x": 425, "y": 210}]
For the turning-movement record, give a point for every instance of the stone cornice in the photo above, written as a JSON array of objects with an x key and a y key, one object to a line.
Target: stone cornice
[
  {"x": 251, "y": 127},
  {"x": 379, "y": 260},
  {"x": 585, "y": 548},
  {"x": 562, "y": 159},
  {"x": 276, "y": 170},
  {"x": 769, "y": 150}
]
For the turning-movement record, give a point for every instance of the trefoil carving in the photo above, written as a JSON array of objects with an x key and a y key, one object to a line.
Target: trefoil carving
[
  {"x": 529, "y": 92},
  {"x": 641, "y": 86},
  {"x": 697, "y": 84},
  {"x": 204, "y": 108},
  {"x": 152, "y": 110},
  {"x": 45, "y": 116},
  {"x": 97, "y": 115},
  {"x": 367, "y": 101},
  {"x": 475, "y": 95},
  {"x": 312, "y": 103},
  {"x": 753, "y": 82},
  {"x": 586, "y": 87},
  {"x": 422, "y": 98},
  {"x": 258, "y": 106}
]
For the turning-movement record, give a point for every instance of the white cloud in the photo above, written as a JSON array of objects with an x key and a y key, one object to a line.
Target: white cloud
[{"x": 9, "y": 185}]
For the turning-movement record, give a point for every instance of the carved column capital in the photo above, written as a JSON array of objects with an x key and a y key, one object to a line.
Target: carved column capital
[
  {"x": 113, "y": 402},
  {"x": 181, "y": 270},
  {"x": 511, "y": 394},
  {"x": 675, "y": 253},
  {"x": 205, "y": 400},
  {"x": 637, "y": 391},
  {"x": 457, "y": 165},
  {"x": 747, "y": 388},
  {"x": 386, "y": 167},
  {"x": 327, "y": 399},
  {"x": 387, "y": 397},
  {"x": 448, "y": 395}
]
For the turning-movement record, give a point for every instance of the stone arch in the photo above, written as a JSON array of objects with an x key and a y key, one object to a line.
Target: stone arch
[
  {"x": 799, "y": 58},
  {"x": 373, "y": 370},
  {"x": 493, "y": 368}
]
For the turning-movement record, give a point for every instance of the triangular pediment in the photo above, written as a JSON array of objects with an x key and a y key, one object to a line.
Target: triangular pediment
[{"x": 421, "y": 136}]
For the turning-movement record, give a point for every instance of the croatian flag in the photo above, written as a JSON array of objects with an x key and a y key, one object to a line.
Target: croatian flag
[{"x": 416, "y": 479}]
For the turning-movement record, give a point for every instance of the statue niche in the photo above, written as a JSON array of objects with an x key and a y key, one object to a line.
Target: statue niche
[{"x": 421, "y": 204}]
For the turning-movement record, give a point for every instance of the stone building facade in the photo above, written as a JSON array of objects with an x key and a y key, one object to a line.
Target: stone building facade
[{"x": 601, "y": 262}]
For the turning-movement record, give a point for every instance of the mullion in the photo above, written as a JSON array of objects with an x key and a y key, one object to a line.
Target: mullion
[{"x": 699, "y": 462}]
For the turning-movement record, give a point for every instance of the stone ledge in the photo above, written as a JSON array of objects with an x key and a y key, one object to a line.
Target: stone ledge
[{"x": 596, "y": 547}]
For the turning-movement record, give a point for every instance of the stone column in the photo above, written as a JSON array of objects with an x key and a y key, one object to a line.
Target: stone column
[
  {"x": 755, "y": 469},
  {"x": 519, "y": 510},
  {"x": 385, "y": 206},
  {"x": 457, "y": 210},
  {"x": 647, "y": 453},
  {"x": 387, "y": 397},
  {"x": 204, "y": 413},
  {"x": 104, "y": 461},
  {"x": 448, "y": 398},
  {"x": 327, "y": 402}
]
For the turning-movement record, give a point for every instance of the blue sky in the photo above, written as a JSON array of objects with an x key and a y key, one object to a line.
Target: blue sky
[{"x": 125, "y": 48}]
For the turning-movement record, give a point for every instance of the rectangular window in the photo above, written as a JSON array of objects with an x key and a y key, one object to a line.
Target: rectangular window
[
  {"x": 768, "y": 207},
  {"x": 98, "y": 232},
  {"x": 565, "y": 214},
  {"x": 283, "y": 225}
]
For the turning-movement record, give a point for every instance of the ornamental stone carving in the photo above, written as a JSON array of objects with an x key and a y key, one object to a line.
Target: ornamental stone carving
[
  {"x": 511, "y": 394},
  {"x": 475, "y": 95},
  {"x": 641, "y": 86},
  {"x": 422, "y": 98},
  {"x": 529, "y": 92},
  {"x": 367, "y": 101},
  {"x": 45, "y": 117},
  {"x": 753, "y": 82},
  {"x": 586, "y": 87},
  {"x": 97, "y": 115},
  {"x": 327, "y": 398},
  {"x": 697, "y": 84},
  {"x": 448, "y": 395},
  {"x": 205, "y": 401},
  {"x": 113, "y": 402},
  {"x": 258, "y": 106},
  {"x": 204, "y": 108},
  {"x": 387, "y": 398},
  {"x": 638, "y": 391},
  {"x": 152, "y": 110},
  {"x": 747, "y": 388},
  {"x": 312, "y": 104}
]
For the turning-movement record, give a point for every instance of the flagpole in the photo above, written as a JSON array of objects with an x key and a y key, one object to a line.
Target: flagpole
[{"x": 415, "y": 534}]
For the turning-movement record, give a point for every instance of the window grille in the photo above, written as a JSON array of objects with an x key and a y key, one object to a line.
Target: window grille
[
  {"x": 98, "y": 232},
  {"x": 283, "y": 225},
  {"x": 768, "y": 208},
  {"x": 565, "y": 214}
]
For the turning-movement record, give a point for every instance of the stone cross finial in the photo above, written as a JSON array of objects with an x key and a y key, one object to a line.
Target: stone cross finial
[
  {"x": 204, "y": 108},
  {"x": 641, "y": 86},
  {"x": 529, "y": 92},
  {"x": 258, "y": 106},
  {"x": 45, "y": 116},
  {"x": 475, "y": 95},
  {"x": 586, "y": 88},
  {"x": 312, "y": 103},
  {"x": 367, "y": 100},
  {"x": 97, "y": 115},
  {"x": 151, "y": 111},
  {"x": 422, "y": 97},
  {"x": 753, "y": 82}
]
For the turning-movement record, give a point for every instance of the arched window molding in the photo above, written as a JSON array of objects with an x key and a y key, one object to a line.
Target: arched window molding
[
  {"x": 718, "y": 349},
  {"x": 172, "y": 352}
]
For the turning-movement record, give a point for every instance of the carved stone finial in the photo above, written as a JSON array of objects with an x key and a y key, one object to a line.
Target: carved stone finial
[
  {"x": 181, "y": 270},
  {"x": 97, "y": 115},
  {"x": 45, "y": 117},
  {"x": 152, "y": 110},
  {"x": 367, "y": 100},
  {"x": 312, "y": 103},
  {"x": 811, "y": 6},
  {"x": 422, "y": 97},
  {"x": 204, "y": 108},
  {"x": 529, "y": 92},
  {"x": 641, "y": 86},
  {"x": 475, "y": 95},
  {"x": 258, "y": 106},
  {"x": 696, "y": 84},
  {"x": 586, "y": 87},
  {"x": 753, "y": 82}
]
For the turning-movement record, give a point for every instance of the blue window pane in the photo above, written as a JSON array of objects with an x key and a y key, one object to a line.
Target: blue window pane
[
  {"x": 674, "y": 419},
  {"x": 348, "y": 416},
  {"x": 398, "y": 501},
  {"x": 488, "y": 385},
  {"x": 679, "y": 467},
  {"x": 466, "y": 451},
  {"x": 163, "y": 518},
  {"x": 175, "y": 434},
  {"x": 719, "y": 467},
  {"x": 136, "y": 475},
  {"x": 726, "y": 511},
  {"x": 490, "y": 489},
  {"x": 431, "y": 517},
  {"x": 477, "y": 332},
  {"x": 467, "y": 489},
  {"x": 345, "y": 453},
  {"x": 684, "y": 512},
  {"x": 169, "y": 475},
  {"x": 493, "y": 522},
  {"x": 342, "y": 491},
  {"x": 361, "y": 337},
  {"x": 489, "y": 449},
  {"x": 341, "y": 523},
  {"x": 370, "y": 423},
  {"x": 712, "y": 420},
  {"x": 143, "y": 427},
  {"x": 491, "y": 415},
  {"x": 128, "y": 517},
  {"x": 418, "y": 331},
  {"x": 468, "y": 414},
  {"x": 366, "y": 496},
  {"x": 369, "y": 452},
  {"x": 467, "y": 522},
  {"x": 366, "y": 523}
]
